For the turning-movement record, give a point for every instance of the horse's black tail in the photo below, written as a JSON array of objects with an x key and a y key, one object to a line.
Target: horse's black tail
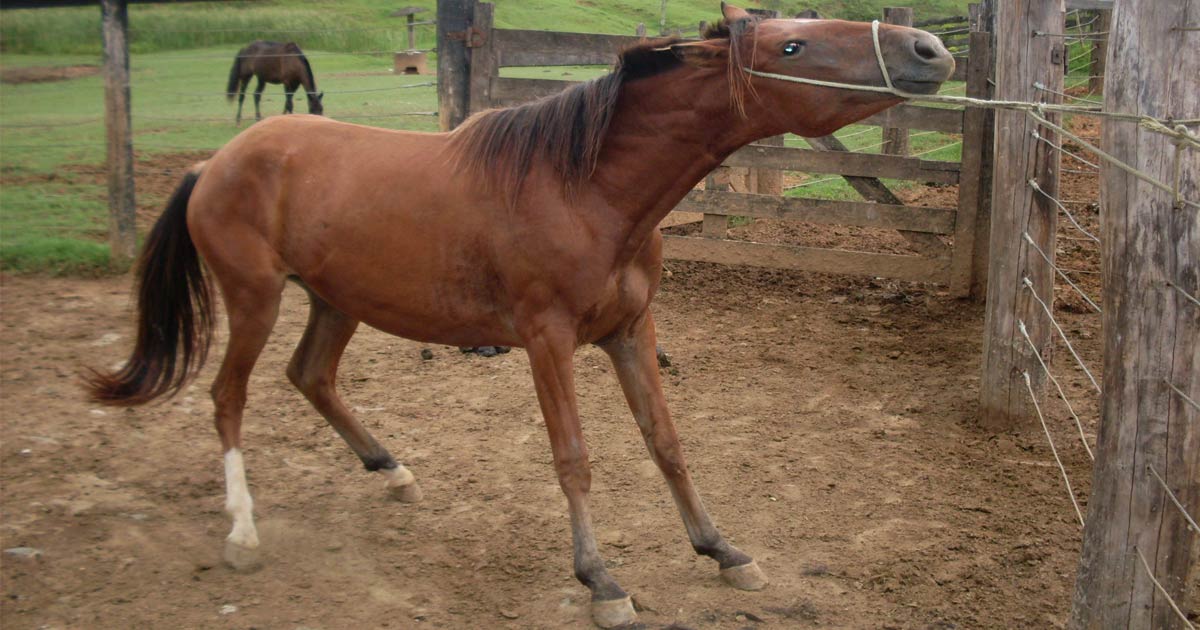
[
  {"x": 174, "y": 313},
  {"x": 234, "y": 75}
]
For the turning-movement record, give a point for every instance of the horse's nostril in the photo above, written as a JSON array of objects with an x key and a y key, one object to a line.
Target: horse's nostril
[{"x": 926, "y": 49}]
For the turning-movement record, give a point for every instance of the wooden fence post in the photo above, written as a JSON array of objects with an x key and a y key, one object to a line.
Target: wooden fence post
[
  {"x": 983, "y": 19},
  {"x": 484, "y": 64},
  {"x": 454, "y": 62},
  {"x": 895, "y": 140},
  {"x": 1099, "y": 51},
  {"x": 1023, "y": 58},
  {"x": 122, "y": 211},
  {"x": 970, "y": 185},
  {"x": 1151, "y": 336}
]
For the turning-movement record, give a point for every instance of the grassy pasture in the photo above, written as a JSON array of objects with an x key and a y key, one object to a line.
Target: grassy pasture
[{"x": 52, "y": 191}]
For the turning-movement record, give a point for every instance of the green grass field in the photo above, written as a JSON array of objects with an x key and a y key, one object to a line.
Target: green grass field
[{"x": 52, "y": 192}]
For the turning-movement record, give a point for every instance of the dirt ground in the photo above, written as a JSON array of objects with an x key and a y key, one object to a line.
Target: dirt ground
[{"x": 830, "y": 424}]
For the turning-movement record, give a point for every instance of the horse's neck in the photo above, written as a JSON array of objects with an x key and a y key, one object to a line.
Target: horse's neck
[{"x": 668, "y": 133}]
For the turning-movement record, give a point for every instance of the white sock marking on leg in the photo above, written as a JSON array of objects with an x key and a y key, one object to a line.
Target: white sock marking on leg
[{"x": 238, "y": 503}]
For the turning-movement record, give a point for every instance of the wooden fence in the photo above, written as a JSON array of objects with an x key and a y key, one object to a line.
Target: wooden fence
[{"x": 473, "y": 83}]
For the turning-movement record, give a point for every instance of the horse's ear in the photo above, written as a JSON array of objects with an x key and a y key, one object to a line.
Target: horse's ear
[
  {"x": 702, "y": 54},
  {"x": 733, "y": 14}
]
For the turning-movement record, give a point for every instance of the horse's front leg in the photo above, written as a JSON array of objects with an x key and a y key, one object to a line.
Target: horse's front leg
[
  {"x": 258, "y": 90},
  {"x": 633, "y": 356},
  {"x": 287, "y": 104},
  {"x": 551, "y": 350}
]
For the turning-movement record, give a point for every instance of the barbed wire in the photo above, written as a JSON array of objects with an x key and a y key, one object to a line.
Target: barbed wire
[
  {"x": 1184, "y": 293},
  {"x": 1061, "y": 149},
  {"x": 315, "y": 55},
  {"x": 1063, "y": 335},
  {"x": 1053, "y": 450},
  {"x": 1171, "y": 495},
  {"x": 1061, "y": 393},
  {"x": 400, "y": 26},
  {"x": 1182, "y": 395}
]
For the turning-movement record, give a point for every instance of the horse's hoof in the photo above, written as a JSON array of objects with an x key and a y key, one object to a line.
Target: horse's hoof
[
  {"x": 613, "y": 612},
  {"x": 408, "y": 493},
  {"x": 747, "y": 577},
  {"x": 241, "y": 558}
]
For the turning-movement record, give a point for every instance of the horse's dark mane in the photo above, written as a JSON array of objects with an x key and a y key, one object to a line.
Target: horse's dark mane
[{"x": 567, "y": 130}]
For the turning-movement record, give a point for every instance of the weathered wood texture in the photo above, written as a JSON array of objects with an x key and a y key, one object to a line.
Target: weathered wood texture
[
  {"x": 895, "y": 139},
  {"x": 860, "y": 164},
  {"x": 1151, "y": 336},
  {"x": 122, "y": 233},
  {"x": 726, "y": 252},
  {"x": 1099, "y": 52},
  {"x": 1022, "y": 59},
  {"x": 824, "y": 211},
  {"x": 962, "y": 267},
  {"x": 484, "y": 62},
  {"x": 983, "y": 18},
  {"x": 550, "y": 48},
  {"x": 454, "y": 62}
]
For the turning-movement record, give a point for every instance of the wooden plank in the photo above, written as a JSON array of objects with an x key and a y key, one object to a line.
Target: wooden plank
[
  {"x": 872, "y": 189},
  {"x": 1022, "y": 60},
  {"x": 962, "y": 262},
  {"x": 823, "y": 211},
  {"x": 507, "y": 91},
  {"x": 1093, "y": 5},
  {"x": 122, "y": 209},
  {"x": 1151, "y": 337},
  {"x": 483, "y": 59},
  {"x": 895, "y": 139},
  {"x": 725, "y": 252},
  {"x": 553, "y": 48},
  {"x": 1099, "y": 52},
  {"x": 860, "y": 164},
  {"x": 983, "y": 20},
  {"x": 916, "y": 117},
  {"x": 454, "y": 64},
  {"x": 716, "y": 225}
]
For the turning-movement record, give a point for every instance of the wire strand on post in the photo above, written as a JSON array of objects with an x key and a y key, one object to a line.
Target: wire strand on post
[
  {"x": 1064, "y": 276},
  {"x": 1150, "y": 574},
  {"x": 1029, "y": 285},
  {"x": 1185, "y": 294},
  {"x": 1054, "y": 451},
  {"x": 1171, "y": 495},
  {"x": 1195, "y": 405},
  {"x": 1061, "y": 393},
  {"x": 1033, "y": 183}
]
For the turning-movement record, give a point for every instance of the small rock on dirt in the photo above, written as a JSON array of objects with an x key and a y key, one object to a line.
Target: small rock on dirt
[
  {"x": 508, "y": 614},
  {"x": 28, "y": 553},
  {"x": 426, "y": 354},
  {"x": 664, "y": 359},
  {"x": 228, "y": 609}
]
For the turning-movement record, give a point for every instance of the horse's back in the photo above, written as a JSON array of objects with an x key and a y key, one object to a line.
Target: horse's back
[{"x": 363, "y": 216}]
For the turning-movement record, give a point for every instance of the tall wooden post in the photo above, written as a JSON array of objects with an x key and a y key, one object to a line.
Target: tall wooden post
[
  {"x": 1151, "y": 335},
  {"x": 895, "y": 140},
  {"x": 1023, "y": 58},
  {"x": 976, "y": 129},
  {"x": 484, "y": 64},
  {"x": 1099, "y": 51},
  {"x": 454, "y": 61},
  {"x": 983, "y": 19},
  {"x": 122, "y": 211}
]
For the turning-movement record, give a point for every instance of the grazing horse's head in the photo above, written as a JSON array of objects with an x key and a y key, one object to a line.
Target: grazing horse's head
[
  {"x": 827, "y": 50},
  {"x": 315, "y": 106}
]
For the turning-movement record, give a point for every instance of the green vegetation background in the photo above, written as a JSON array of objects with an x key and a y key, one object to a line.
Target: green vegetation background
[{"x": 52, "y": 195}]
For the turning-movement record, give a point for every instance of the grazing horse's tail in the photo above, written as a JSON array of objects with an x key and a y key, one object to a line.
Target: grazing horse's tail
[
  {"x": 234, "y": 74},
  {"x": 174, "y": 313}
]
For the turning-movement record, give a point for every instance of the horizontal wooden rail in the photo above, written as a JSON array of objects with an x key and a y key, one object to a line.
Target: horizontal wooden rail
[
  {"x": 553, "y": 48},
  {"x": 507, "y": 92},
  {"x": 823, "y": 211},
  {"x": 844, "y": 163},
  {"x": 726, "y": 252},
  {"x": 917, "y": 117}
]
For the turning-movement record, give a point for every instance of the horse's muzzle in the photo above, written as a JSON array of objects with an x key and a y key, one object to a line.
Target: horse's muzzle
[{"x": 917, "y": 61}]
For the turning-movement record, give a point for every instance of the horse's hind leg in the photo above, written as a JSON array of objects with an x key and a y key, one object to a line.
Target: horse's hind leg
[
  {"x": 633, "y": 357},
  {"x": 287, "y": 105},
  {"x": 252, "y": 309},
  {"x": 313, "y": 370}
]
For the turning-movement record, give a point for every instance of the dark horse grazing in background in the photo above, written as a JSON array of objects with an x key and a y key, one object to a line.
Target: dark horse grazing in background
[
  {"x": 534, "y": 227},
  {"x": 273, "y": 62}
]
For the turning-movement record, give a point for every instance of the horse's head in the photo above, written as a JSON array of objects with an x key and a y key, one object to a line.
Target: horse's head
[
  {"x": 315, "y": 106},
  {"x": 826, "y": 50}
]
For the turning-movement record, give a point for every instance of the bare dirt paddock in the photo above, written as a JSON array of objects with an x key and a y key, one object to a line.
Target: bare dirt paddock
[{"x": 829, "y": 424}]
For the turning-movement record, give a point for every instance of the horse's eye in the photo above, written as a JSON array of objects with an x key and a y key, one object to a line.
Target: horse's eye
[{"x": 792, "y": 48}]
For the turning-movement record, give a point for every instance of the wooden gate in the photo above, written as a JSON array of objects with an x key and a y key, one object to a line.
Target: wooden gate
[{"x": 475, "y": 84}]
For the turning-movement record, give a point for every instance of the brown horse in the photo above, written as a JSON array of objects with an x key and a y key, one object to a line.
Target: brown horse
[
  {"x": 273, "y": 62},
  {"x": 533, "y": 227}
]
